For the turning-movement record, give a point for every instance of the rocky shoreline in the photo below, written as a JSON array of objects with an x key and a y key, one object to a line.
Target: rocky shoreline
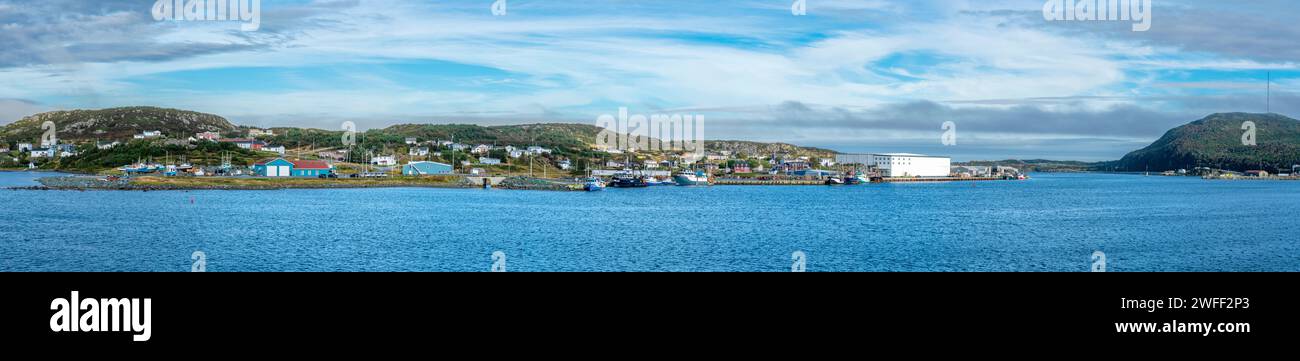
[{"x": 534, "y": 184}]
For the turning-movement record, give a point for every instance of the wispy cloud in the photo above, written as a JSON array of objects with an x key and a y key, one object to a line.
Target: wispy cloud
[{"x": 853, "y": 74}]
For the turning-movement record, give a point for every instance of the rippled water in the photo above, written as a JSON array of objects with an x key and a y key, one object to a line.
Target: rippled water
[{"x": 1050, "y": 223}]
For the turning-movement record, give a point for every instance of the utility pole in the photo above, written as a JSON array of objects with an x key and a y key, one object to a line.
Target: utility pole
[{"x": 530, "y": 152}]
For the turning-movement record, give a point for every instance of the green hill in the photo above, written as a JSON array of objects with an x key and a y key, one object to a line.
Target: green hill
[
  {"x": 115, "y": 123},
  {"x": 567, "y": 141},
  {"x": 1216, "y": 141}
]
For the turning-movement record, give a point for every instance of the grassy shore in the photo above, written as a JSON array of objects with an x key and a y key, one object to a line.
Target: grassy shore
[
  {"x": 283, "y": 183},
  {"x": 242, "y": 183}
]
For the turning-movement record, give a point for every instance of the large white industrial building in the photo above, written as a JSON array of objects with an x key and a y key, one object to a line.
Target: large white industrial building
[{"x": 900, "y": 164}]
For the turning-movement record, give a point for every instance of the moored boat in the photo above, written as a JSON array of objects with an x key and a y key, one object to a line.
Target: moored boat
[
  {"x": 626, "y": 180},
  {"x": 593, "y": 185},
  {"x": 652, "y": 181},
  {"x": 696, "y": 178}
]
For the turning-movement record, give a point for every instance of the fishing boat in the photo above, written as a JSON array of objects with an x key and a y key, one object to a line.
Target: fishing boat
[
  {"x": 137, "y": 168},
  {"x": 593, "y": 184},
  {"x": 652, "y": 181},
  {"x": 696, "y": 178},
  {"x": 834, "y": 181},
  {"x": 628, "y": 180}
]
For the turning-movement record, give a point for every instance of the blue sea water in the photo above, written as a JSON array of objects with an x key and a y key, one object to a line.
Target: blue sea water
[{"x": 1052, "y": 222}]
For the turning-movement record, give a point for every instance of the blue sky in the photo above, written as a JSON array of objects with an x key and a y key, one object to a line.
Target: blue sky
[{"x": 861, "y": 76}]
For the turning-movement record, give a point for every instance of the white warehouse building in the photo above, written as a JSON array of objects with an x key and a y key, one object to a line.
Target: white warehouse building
[{"x": 901, "y": 164}]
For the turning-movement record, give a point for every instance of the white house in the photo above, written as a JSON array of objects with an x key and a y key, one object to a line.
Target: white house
[
  {"x": 65, "y": 150},
  {"x": 212, "y": 136},
  {"x": 278, "y": 149},
  {"x": 489, "y": 161},
  {"x": 418, "y": 151},
  {"x": 516, "y": 153},
  {"x": 24, "y": 147},
  {"x": 42, "y": 153},
  {"x": 335, "y": 155},
  {"x": 149, "y": 134},
  {"x": 482, "y": 149},
  {"x": 254, "y": 133},
  {"x": 412, "y": 141},
  {"x": 972, "y": 171},
  {"x": 384, "y": 160},
  {"x": 538, "y": 150}
]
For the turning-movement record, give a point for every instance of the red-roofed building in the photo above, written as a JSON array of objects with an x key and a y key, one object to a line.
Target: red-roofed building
[{"x": 245, "y": 143}]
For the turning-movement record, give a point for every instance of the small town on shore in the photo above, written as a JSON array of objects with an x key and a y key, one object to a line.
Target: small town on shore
[
  {"x": 147, "y": 148},
  {"x": 447, "y": 163}
]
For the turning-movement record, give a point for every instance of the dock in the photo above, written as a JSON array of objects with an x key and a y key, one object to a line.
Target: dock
[
  {"x": 818, "y": 182},
  {"x": 767, "y": 182},
  {"x": 934, "y": 179}
]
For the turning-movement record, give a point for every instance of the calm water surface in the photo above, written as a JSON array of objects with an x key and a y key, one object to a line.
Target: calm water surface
[{"x": 1050, "y": 223}]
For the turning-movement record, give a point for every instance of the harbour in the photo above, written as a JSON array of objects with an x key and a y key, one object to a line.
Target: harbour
[{"x": 1049, "y": 222}]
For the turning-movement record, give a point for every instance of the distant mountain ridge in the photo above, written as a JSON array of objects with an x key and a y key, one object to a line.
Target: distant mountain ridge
[{"x": 1216, "y": 141}]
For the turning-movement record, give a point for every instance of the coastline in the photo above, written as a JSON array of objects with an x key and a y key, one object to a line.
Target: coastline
[{"x": 151, "y": 183}]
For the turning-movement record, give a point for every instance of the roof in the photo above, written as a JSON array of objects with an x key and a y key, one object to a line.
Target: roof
[
  {"x": 268, "y": 161},
  {"x": 892, "y": 155},
  {"x": 426, "y": 163},
  {"x": 311, "y": 164},
  {"x": 428, "y": 167}
]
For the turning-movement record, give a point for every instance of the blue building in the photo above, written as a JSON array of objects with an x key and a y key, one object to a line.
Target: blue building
[
  {"x": 279, "y": 167},
  {"x": 425, "y": 168}
]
